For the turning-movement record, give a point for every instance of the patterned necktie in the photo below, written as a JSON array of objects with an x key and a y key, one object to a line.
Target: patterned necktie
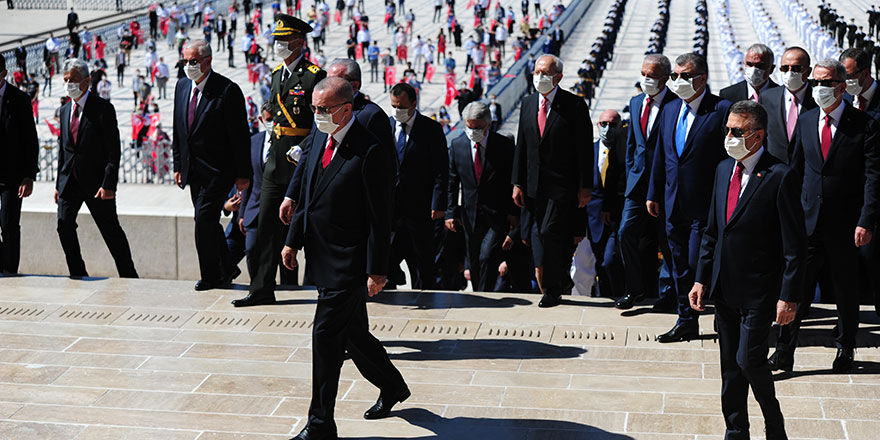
[
  {"x": 74, "y": 122},
  {"x": 478, "y": 162},
  {"x": 542, "y": 116},
  {"x": 328, "y": 152},
  {"x": 401, "y": 142},
  {"x": 191, "y": 114},
  {"x": 826, "y": 137},
  {"x": 681, "y": 132},
  {"x": 792, "y": 116},
  {"x": 646, "y": 112},
  {"x": 734, "y": 189}
]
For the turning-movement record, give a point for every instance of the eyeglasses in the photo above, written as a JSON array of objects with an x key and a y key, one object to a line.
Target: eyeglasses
[
  {"x": 191, "y": 61},
  {"x": 792, "y": 68},
  {"x": 607, "y": 124},
  {"x": 738, "y": 132},
  {"x": 759, "y": 66},
  {"x": 684, "y": 75},
  {"x": 824, "y": 82},
  {"x": 855, "y": 74},
  {"x": 321, "y": 110}
]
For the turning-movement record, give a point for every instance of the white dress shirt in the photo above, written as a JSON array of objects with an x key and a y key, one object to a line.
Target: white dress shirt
[
  {"x": 800, "y": 94},
  {"x": 82, "y": 105},
  {"x": 835, "y": 119},
  {"x": 201, "y": 87},
  {"x": 749, "y": 165},
  {"x": 408, "y": 125},
  {"x": 867, "y": 95},
  {"x": 752, "y": 89},
  {"x": 482, "y": 151},
  {"x": 338, "y": 137},
  {"x": 691, "y": 108},
  {"x": 550, "y": 96},
  {"x": 655, "y": 109},
  {"x": 267, "y": 144}
]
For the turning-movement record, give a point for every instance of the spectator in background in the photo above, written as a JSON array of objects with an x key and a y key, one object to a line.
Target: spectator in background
[
  {"x": 33, "y": 92},
  {"x": 52, "y": 48},
  {"x": 21, "y": 57},
  {"x": 72, "y": 21},
  {"x": 136, "y": 82},
  {"x": 100, "y": 47},
  {"x": 47, "y": 71},
  {"x": 373, "y": 57},
  {"x": 450, "y": 63},
  {"x": 105, "y": 87},
  {"x": 162, "y": 75}
]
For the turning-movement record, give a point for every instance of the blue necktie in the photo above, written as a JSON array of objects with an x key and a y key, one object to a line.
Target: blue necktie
[
  {"x": 681, "y": 132},
  {"x": 401, "y": 142}
]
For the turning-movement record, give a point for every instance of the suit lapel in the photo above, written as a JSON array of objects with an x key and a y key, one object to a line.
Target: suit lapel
[
  {"x": 555, "y": 107},
  {"x": 488, "y": 169},
  {"x": 65, "y": 124},
  {"x": 835, "y": 141},
  {"x": 810, "y": 140},
  {"x": 333, "y": 168},
  {"x": 467, "y": 161},
  {"x": 409, "y": 138},
  {"x": 84, "y": 118},
  {"x": 699, "y": 119},
  {"x": 754, "y": 181},
  {"x": 203, "y": 102},
  {"x": 183, "y": 102}
]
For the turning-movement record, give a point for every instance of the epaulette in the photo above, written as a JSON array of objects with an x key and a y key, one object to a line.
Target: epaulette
[
  {"x": 314, "y": 69},
  {"x": 279, "y": 66}
]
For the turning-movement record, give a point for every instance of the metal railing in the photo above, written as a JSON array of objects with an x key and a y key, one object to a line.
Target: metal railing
[
  {"x": 81, "y": 5},
  {"x": 148, "y": 163}
]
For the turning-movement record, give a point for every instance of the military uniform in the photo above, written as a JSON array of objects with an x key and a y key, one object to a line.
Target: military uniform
[{"x": 293, "y": 118}]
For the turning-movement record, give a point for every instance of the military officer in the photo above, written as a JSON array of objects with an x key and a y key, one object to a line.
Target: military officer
[{"x": 292, "y": 84}]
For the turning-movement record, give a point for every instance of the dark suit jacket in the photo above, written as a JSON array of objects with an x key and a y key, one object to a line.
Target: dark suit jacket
[
  {"x": 343, "y": 220},
  {"x": 777, "y": 142},
  {"x": 685, "y": 183},
  {"x": 498, "y": 113},
  {"x": 556, "y": 165},
  {"x": 640, "y": 151},
  {"x": 608, "y": 197},
  {"x": 95, "y": 153},
  {"x": 740, "y": 91},
  {"x": 250, "y": 204},
  {"x": 424, "y": 170},
  {"x": 371, "y": 116},
  {"x": 19, "y": 146},
  {"x": 217, "y": 144},
  {"x": 845, "y": 186},
  {"x": 759, "y": 257},
  {"x": 492, "y": 193},
  {"x": 873, "y": 109}
]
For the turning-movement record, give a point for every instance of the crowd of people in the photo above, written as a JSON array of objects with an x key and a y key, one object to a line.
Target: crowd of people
[{"x": 753, "y": 197}]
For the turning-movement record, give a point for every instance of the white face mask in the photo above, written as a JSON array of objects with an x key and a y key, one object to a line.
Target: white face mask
[
  {"x": 543, "y": 83},
  {"x": 269, "y": 126},
  {"x": 824, "y": 96},
  {"x": 607, "y": 133},
  {"x": 755, "y": 77},
  {"x": 684, "y": 88},
  {"x": 650, "y": 86},
  {"x": 792, "y": 80},
  {"x": 402, "y": 115},
  {"x": 325, "y": 123},
  {"x": 193, "y": 72},
  {"x": 73, "y": 91},
  {"x": 476, "y": 135},
  {"x": 282, "y": 50},
  {"x": 853, "y": 87},
  {"x": 736, "y": 146}
]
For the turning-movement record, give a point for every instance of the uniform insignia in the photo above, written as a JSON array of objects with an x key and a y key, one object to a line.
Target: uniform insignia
[
  {"x": 314, "y": 69},
  {"x": 297, "y": 91},
  {"x": 296, "y": 110},
  {"x": 278, "y": 67}
]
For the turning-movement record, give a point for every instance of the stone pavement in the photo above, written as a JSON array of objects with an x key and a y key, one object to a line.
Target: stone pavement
[{"x": 149, "y": 359}]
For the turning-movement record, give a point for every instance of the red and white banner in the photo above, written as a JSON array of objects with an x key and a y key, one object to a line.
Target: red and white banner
[
  {"x": 429, "y": 72},
  {"x": 451, "y": 91},
  {"x": 137, "y": 124},
  {"x": 390, "y": 74},
  {"x": 359, "y": 51},
  {"x": 155, "y": 118},
  {"x": 53, "y": 129},
  {"x": 337, "y": 17},
  {"x": 479, "y": 69}
]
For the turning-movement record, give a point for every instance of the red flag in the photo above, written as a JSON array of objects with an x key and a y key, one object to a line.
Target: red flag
[
  {"x": 390, "y": 74},
  {"x": 359, "y": 51},
  {"x": 429, "y": 72},
  {"x": 155, "y": 118},
  {"x": 471, "y": 4},
  {"x": 451, "y": 91},
  {"x": 337, "y": 17},
  {"x": 137, "y": 124},
  {"x": 52, "y": 129}
]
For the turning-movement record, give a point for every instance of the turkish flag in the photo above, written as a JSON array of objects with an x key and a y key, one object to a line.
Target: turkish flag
[
  {"x": 53, "y": 129},
  {"x": 137, "y": 124},
  {"x": 337, "y": 17},
  {"x": 390, "y": 74},
  {"x": 451, "y": 91},
  {"x": 429, "y": 72},
  {"x": 359, "y": 51},
  {"x": 155, "y": 118}
]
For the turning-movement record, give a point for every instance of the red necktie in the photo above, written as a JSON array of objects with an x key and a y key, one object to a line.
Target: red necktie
[
  {"x": 478, "y": 163},
  {"x": 191, "y": 114},
  {"x": 74, "y": 122},
  {"x": 328, "y": 152},
  {"x": 542, "y": 116},
  {"x": 645, "y": 113},
  {"x": 862, "y": 103},
  {"x": 792, "y": 117},
  {"x": 826, "y": 137},
  {"x": 755, "y": 96},
  {"x": 733, "y": 189}
]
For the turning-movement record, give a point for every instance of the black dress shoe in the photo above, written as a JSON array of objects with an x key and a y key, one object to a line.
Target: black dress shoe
[
  {"x": 202, "y": 285},
  {"x": 383, "y": 406},
  {"x": 628, "y": 301},
  {"x": 232, "y": 275},
  {"x": 781, "y": 361},
  {"x": 549, "y": 301},
  {"x": 679, "y": 333},
  {"x": 843, "y": 361},
  {"x": 252, "y": 300},
  {"x": 664, "y": 305},
  {"x": 307, "y": 434},
  {"x": 835, "y": 331}
]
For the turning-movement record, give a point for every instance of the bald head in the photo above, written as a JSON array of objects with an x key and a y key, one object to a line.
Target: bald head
[
  {"x": 347, "y": 69},
  {"x": 610, "y": 116}
]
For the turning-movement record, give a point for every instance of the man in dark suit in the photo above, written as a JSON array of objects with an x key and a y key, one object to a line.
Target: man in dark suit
[
  {"x": 292, "y": 83},
  {"x": 72, "y": 21},
  {"x": 784, "y": 104},
  {"x": 18, "y": 167},
  {"x": 480, "y": 164},
  {"x": 836, "y": 152},
  {"x": 690, "y": 148},
  {"x": 343, "y": 221},
  {"x": 420, "y": 193},
  {"x": 495, "y": 111},
  {"x": 606, "y": 202},
  {"x": 553, "y": 175},
  {"x": 641, "y": 235},
  {"x": 210, "y": 147},
  {"x": 88, "y": 169},
  {"x": 758, "y": 68},
  {"x": 752, "y": 264}
]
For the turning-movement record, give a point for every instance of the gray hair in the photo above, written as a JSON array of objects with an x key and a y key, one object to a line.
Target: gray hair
[
  {"x": 477, "y": 111},
  {"x": 834, "y": 66},
  {"x": 761, "y": 50},
  {"x": 78, "y": 65},
  {"x": 694, "y": 59},
  {"x": 338, "y": 87},
  {"x": 657, "y": 59},
  {"x": 266, "y": 107},
  {"x": 202, "y": 47},
  {"x": 352, "y": 68},
  {"x": 756, "y": 114},
  {"x": 557, "y": 63}
]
